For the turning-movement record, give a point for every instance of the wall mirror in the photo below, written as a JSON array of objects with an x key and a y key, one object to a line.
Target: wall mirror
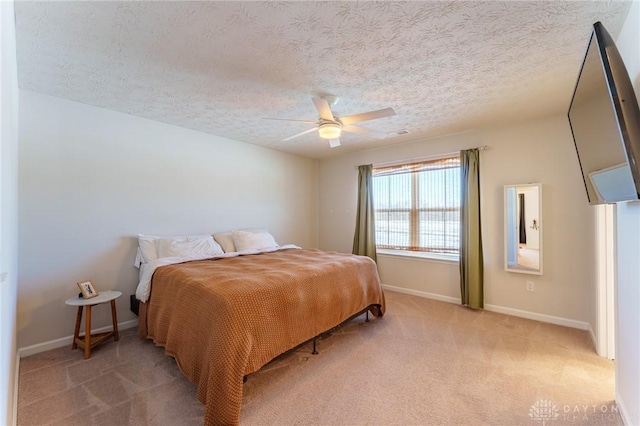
[{"x": 523, "y": 228}]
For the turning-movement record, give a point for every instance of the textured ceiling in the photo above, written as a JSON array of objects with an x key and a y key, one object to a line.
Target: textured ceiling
[{"x": 223, "y": 67}]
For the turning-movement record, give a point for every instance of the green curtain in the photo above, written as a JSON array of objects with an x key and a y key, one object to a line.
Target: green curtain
[
  {"x": 471, "y": 260},
  {"x": 364, "y": 240}
]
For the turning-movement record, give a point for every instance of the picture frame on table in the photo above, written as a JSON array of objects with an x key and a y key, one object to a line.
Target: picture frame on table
[{"x": 87, "y": 289}]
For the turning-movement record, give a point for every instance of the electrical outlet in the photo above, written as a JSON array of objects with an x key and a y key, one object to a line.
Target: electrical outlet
[{"x": 531, "y": 286}]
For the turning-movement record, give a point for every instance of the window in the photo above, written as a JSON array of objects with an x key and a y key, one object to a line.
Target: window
[{"x": 417, "y": 206}]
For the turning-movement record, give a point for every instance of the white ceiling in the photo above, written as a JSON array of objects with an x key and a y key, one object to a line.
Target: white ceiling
[{"x": 223, "y": 67}]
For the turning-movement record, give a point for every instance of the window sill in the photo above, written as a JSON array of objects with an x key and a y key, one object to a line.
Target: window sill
[{"x": 434, "y": 257}]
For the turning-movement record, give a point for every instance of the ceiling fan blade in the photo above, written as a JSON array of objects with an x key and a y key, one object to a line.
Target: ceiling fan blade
[
  {"x": 365, "y": 116},
  {"x": 363, "y": 131},
  {"x": 334, "y": 143},
  {"x": 313, "y": 129},
  {"x": 323, "y": 109},
  {"x": 288, "y": 119}
]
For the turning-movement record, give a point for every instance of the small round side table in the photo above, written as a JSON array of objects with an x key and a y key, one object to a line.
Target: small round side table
[{"x": 91, "y": 340}]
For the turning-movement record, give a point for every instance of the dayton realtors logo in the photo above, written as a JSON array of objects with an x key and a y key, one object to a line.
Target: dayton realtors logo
[{"x": 543, "y": 411}]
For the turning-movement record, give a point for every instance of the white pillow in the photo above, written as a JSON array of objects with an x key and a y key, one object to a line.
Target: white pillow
[
  {"x": 194, "y": 248},
  {"x": 253, "y": 240},
  {"x": 149, "y": 247},
  {"x": 225, "y": 239},
  {"x": 139, "y": 259}
]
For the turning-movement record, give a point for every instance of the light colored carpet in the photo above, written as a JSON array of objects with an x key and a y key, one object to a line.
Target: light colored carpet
[{"x": 426, "y": 362}]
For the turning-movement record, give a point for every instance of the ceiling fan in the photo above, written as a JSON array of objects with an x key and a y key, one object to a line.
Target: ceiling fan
[{"x": 329, "y": 126}]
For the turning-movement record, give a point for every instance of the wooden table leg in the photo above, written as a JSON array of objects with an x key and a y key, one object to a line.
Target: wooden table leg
[
  {"x": 76, "y": 333},
  {"x": 87, "y": 333},
  {"x": 114, "y": 319}
]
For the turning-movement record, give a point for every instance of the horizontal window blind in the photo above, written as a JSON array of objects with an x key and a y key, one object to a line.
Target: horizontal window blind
[{"x": 417, "y": 206}]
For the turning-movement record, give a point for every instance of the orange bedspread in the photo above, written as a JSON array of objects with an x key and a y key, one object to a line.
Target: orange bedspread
[{"x": 222, "y": 319}]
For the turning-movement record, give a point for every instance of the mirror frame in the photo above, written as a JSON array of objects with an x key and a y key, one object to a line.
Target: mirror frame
[{"x": 509, "y": 205}]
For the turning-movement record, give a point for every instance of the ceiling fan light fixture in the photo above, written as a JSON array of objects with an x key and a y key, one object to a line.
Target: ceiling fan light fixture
[{"x": 329, "y": 130}]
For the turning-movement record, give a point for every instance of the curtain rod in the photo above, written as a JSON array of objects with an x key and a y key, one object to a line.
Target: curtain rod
[{"x": 430, "y": 157}]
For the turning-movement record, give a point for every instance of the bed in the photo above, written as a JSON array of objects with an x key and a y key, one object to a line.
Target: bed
[{"x": 225, "y": 318}]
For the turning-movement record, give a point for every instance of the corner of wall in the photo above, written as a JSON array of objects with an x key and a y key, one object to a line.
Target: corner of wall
[
  {"x": 627, "y": 296},
  {"x": 8, "y": 213}
]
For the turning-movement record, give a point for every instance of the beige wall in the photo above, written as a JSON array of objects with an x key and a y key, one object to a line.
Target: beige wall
[
  {"x": 536, "y": 151},
  {"x": 8, "y": 211},
  {"x": 91, "y": 179}
]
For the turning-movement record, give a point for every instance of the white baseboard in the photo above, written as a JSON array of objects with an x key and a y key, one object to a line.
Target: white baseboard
[
  {"x": 15, "y": 391},
  {"x": 594, "y": 340},
  {"x": 66, "y": 341},
  {"x": 424, "y": 294},
  {"x": 499, "y": 309},
  {"x": 622, "y": 410},
  {"x": 538, "y": 317}
]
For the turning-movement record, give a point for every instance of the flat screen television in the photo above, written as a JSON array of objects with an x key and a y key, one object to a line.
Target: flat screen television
[{"x": 605, "y": 122}]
